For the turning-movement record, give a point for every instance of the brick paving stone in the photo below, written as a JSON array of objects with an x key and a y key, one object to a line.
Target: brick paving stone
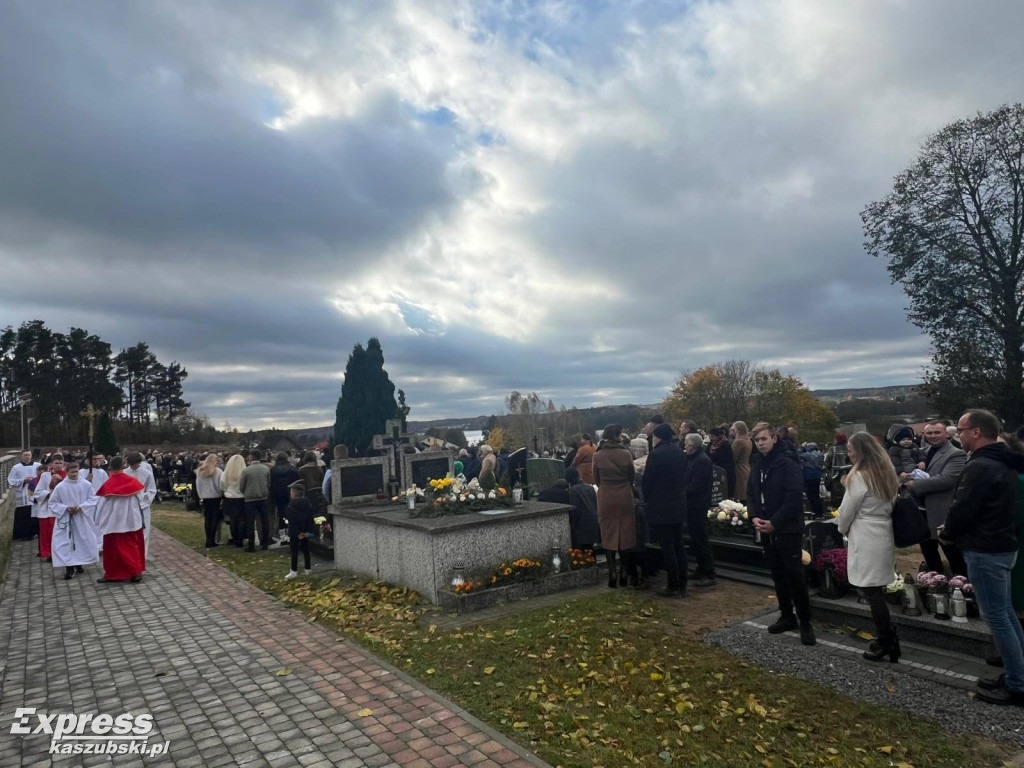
[{"x": 198, "y": 648}]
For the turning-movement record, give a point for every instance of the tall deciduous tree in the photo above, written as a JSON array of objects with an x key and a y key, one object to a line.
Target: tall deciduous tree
[
  {"x": 367, "y": 399},
  {"x": 738, "y": 391},
  {"x": 951, "y": 231}
]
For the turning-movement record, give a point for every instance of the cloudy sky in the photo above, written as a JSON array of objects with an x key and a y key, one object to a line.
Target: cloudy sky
[{"x": 577, "y": 198}]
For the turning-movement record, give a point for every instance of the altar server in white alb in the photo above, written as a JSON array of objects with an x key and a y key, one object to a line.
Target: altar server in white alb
[
  {"x": 94, "y": 472},
  {"x": 76, "y": 542},
  {"x": 119, "y": 519},
  {"x": 41, "y": 502},
  {"x": 21, "y": 474},
  {"x": 142, "y": 472}
]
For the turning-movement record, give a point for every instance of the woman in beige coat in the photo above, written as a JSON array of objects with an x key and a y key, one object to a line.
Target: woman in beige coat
[
  {"x": 741, "y": 448},
  {"x": 613, "y": 474}
]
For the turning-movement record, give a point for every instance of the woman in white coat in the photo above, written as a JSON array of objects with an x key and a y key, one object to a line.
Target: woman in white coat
[{"x": 865, "y": 516}]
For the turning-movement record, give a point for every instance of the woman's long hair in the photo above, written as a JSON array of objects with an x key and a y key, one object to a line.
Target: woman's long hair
[
  {"x": 233, "y": 471},
  {"x": 209, "y": 466},
  {"x": 309, "y": 458},
  {"x": 874, "y": 465}
]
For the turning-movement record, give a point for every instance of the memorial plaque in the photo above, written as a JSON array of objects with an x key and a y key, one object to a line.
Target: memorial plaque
[
  {"x": 356, "y": 481},
  {"x": 541, "y": 473},
  {"x": 719, "y": 486},
  {"x": 420, "y": 468}
]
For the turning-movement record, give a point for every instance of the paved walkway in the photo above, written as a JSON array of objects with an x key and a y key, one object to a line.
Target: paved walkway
[{"x": 200, "y": 649}]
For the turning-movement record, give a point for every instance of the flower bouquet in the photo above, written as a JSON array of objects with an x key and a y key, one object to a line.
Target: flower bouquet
[
  {"x": 893, "y": 591},
  {"x": 929, "y": 584},
  {"x": 581, "y": 558},
  {"x": 453, "y": 497},
  {"x": 832, "y": 564},
  {"x": 729, "y": 518},
  {"x": 523, "y": 569}
]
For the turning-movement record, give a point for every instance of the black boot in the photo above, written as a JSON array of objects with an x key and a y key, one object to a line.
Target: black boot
[
  {"x": 623, "y": 571},
  {"x": 889, "y": 646},
  {"x": 613, "y": 581},
  {"x": 69, "y": 573}
]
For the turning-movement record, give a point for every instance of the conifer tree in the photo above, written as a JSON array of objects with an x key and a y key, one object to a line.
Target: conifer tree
[{"x": 367, "y": 399}]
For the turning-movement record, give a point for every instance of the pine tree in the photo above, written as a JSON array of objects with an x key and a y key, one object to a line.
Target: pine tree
[
  {"x": 367, "y": 399},
  {"x": 106, "y": 442}
]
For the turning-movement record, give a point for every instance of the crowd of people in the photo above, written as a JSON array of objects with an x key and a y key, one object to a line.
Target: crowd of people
[{"x": 83, "y": 508}]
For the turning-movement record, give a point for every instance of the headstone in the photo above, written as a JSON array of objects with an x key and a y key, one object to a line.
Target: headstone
[
  {"x": 541, "y": 473},
  {"x": 357, "y": 481},
  {"x": 420, "y": 468},
  {"x": 719, "y": 486},
  {"x": 821, "y": 534},
  {"x": 517, "y": 467}
]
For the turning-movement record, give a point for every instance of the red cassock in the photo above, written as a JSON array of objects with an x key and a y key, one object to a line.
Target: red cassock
[
  {"x": 119, "y": 517},
  {"x": 124, "y": 555},
  {"x": 46, "y": 535}
]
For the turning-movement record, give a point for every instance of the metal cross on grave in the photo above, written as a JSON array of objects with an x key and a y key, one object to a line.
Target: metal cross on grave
[{"x": 394, "y": 439}]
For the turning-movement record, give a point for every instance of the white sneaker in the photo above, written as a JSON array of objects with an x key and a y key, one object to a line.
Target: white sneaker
[
  {"x": 292, "y": 574},
  {"x": 307, "y": 571}
]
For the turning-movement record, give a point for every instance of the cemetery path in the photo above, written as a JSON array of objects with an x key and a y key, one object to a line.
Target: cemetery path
[{"x": 230, "y": 675}]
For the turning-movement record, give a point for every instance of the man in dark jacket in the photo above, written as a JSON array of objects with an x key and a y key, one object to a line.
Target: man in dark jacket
[
  {"x": 980, "y": 522},
  {"x": 698, "y": 477},
  {"x": 775, "y": 498},
  {"x": 665, "y": 499}
]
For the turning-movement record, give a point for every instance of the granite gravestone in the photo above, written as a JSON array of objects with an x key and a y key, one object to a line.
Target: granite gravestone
[
  {"x": 357, "y": 481},
  {"x": 719, "y": 486},
  {"x": 541, "y": 473},
  {"x": 420, "y": 468}
]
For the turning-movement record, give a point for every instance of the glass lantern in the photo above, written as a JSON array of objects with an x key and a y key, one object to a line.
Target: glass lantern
[{"x": 458, "y": 578}]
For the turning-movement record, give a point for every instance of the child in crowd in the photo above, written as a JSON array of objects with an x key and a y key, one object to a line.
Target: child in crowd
[
  {"x": 906, "y": 457},
  {"x": 300, "y": 527}
]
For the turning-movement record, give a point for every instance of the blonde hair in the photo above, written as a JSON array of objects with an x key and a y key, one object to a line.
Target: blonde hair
[
  {"x": 874, "y": 465},
  {"x": 209, "y": 466},
  {"x": 233, "y": 471},
  {"x": 741, "y": 428},
  {"x": 761, "y": 426}
]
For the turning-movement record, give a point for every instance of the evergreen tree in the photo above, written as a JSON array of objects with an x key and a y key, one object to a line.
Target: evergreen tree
[
  {"x": 106, "y": 442},
  {"x": 367, "y": 399}
]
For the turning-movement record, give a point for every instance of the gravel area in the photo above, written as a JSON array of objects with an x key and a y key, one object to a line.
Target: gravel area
[{"x": 882, "y": 684}]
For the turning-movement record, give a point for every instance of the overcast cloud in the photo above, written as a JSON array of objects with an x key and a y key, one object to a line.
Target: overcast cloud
[{"x": 577, "y": 198}]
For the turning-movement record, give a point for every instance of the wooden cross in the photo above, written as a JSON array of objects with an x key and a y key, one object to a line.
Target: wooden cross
[{"x": 90, "y": 413}]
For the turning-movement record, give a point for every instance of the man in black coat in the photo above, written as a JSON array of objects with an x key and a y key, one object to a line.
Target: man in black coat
[
  {"x": 665, "y": 500},
  {"x": 775, "y": 498},
  {"x": 698, "y": 477},
  {"x": 981, "y": 523}
]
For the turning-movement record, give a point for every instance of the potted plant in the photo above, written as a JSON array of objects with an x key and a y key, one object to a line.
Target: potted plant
[{"x": 893, "y": 592}]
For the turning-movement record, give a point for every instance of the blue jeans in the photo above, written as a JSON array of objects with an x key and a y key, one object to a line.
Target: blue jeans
[{"x": 989, "y": 572}]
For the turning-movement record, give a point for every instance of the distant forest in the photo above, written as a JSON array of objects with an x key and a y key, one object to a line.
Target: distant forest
[{"x": 59, "y": 375}]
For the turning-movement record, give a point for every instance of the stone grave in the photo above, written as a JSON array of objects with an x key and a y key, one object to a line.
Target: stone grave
[
  {"x": 356, "y": 481},
  {"x": 719, "y": 485}
]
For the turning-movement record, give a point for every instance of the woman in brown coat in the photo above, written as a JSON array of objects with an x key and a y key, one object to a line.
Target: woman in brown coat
[
  {"x": 613, "y": 474},
  {"x": 741, "y": 447}
]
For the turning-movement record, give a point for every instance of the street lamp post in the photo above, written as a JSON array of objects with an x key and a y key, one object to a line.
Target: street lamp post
[
  {"x": 28, "y": 432},
  {"x": 24, "y": 400}
]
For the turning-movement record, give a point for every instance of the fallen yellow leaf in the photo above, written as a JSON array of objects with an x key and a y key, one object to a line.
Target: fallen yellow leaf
[
  {"x": 283, "y": 672},
  {"x": 489, "y": 670},
  {"x": 364, "y": 712}
]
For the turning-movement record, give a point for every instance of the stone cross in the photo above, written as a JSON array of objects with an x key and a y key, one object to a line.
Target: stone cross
[{"x": 393, "y": 438}]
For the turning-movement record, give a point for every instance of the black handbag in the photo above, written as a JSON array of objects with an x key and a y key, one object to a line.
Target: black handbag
[{"x": 909, "y": 526}]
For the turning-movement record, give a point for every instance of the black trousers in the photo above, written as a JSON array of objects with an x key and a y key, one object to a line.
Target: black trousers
[
  {"x": 932, "y": 559},
  {"x": 254, "y": 509},
  {"x": 673, "y": 553},
  {"x": 234, "y": 510},
  {"x": 26, "y": 527},
  {"x": 211, "y": 519},
  {"x": 783, "y": 554},
  {"x": 879, "y": 612},
  {"x": 295, "y": 544},
  {"x": 280, "y": 505},
  {"x": 813, "y": 490},
  {"x": 697, "y": 523}
]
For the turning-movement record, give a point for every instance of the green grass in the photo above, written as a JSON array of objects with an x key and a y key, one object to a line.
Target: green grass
[{"x": 606, "y": 681}]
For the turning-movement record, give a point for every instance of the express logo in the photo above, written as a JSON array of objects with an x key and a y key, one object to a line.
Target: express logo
[{"x": 87, "y": 733}]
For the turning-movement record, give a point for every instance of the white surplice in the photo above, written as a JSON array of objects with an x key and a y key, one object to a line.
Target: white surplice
[
  {"x": 99, "y": 477},
  {"x": 76, "y": 541},
  {"x": 18, "y": 478},
  {"x": 145, "y": 476},
  {"x": 41, "y": 497}
]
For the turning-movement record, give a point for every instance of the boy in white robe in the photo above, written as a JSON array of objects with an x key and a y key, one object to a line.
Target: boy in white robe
[
  {"x": 94, "y": 473},
  {"x": 119, "y": 518},
  {"x": 140, "y": 470},
  {"x": 76, "y": 542},
  {"x": 41, "y": 503}
]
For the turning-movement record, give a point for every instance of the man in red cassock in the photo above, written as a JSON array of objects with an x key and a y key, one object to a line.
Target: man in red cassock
[{"x": 119, "y": 518}]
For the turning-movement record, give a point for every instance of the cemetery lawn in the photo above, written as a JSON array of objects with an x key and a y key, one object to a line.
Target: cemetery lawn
[{"x": 613, "y": 680}]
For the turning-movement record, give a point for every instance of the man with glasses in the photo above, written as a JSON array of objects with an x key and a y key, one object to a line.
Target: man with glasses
[{"x": 980, "y": 522}]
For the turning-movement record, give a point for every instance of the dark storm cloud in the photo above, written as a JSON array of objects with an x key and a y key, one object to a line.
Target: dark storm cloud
[{"x": 577, "y": 199}]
